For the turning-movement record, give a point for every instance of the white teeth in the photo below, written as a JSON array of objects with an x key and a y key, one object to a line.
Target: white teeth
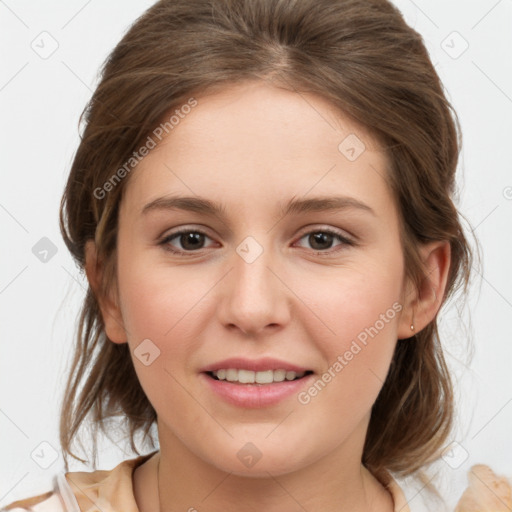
[
  {"x": 245, "y": 376},
  {"x": 279, "y": 375},
  {"x": 265, "y": 377},
  {"x": 231, "y": 375},
  {"x": 251, "y": 377}
]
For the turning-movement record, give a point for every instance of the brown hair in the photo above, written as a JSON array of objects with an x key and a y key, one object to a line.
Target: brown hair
[{"x": 367, "y": 62}]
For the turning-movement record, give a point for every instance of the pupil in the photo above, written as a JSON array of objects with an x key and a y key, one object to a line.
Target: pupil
[
  {"x": 191, "y": 237},
  {"x": 320, "y": 237}
]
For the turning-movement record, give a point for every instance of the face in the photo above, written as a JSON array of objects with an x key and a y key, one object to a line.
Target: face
[{"x": 317, "y": 286}]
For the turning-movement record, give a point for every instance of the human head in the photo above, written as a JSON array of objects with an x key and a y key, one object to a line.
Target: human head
[{"x": 377, "y": 73}]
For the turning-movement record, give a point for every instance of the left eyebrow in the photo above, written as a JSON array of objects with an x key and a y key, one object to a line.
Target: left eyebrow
[
  {"x": 294, "y": 206},
  {"x": 319, "y": 204}
]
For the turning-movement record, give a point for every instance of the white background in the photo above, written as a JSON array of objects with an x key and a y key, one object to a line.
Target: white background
[{"x": 41, "y": 100}]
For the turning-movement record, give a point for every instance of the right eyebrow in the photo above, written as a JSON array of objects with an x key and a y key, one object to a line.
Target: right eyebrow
[{"x": 191, "y": 204}]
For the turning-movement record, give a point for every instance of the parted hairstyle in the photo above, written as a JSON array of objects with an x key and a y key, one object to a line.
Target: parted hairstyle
[{"x": 363, "y": 58}]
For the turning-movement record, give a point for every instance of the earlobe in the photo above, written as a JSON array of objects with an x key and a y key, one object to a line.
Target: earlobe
[
  {"x": 422, "y": 305},
  {"x": 110, "y": 310}
]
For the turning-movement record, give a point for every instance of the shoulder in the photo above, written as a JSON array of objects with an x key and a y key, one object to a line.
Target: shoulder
[
  {"x": 486, "y": 491},
  {"x": 55, "y": 500},
  {"x": 76, "y": 491}
]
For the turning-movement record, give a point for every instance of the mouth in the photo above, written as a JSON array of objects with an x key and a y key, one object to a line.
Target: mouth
[
  {"x": 255, "y": 383},
  {"x": 247, "y": 377}
]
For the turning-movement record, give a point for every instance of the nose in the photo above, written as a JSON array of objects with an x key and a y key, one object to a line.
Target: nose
[{"x": 254, "y": 297}]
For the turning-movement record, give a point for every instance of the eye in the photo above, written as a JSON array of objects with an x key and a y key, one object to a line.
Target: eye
[
  {"x": 193, "y": 240},
  {"x": 322, "y": 239},
  {"x": 188, "y": 238}
]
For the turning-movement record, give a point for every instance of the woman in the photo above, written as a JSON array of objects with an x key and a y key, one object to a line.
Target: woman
[{"x": 226, "y": 143}]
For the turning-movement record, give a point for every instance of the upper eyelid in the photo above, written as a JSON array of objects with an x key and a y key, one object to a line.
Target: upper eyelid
[{"x": 306, "y": 229}]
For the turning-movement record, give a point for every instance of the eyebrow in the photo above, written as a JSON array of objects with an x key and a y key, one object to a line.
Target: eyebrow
[{"x": 294, "y": 206}]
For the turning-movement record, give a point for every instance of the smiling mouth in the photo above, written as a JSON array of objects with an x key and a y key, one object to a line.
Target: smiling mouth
[{"x": 240, "y": 376}]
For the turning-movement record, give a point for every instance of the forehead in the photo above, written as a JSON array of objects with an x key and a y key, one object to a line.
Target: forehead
[{"x": 254, "y": 142}]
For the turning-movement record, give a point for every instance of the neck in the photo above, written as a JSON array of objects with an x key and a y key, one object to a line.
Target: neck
[{"x": 179, "y": 480}]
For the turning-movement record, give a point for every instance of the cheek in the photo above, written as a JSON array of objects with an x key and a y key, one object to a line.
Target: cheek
[
  {"x": 352, "y": 300},
  {"x": 161, "y": 311},
  {"x": 360, "y": 314},
  {"x": 164, "y": 310},
  {"x": 157, "y": 302}
]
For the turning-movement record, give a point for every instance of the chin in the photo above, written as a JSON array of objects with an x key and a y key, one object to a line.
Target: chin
[
  {"x": 262, "y": 468},
  {"x": 260, "y": 459}
]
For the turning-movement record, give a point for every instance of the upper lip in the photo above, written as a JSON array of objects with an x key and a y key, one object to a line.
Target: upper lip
[{"x": 256, "y": 365}]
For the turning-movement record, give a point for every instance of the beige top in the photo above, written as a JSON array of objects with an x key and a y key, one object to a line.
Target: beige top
[{"x": 112, "y": 491}]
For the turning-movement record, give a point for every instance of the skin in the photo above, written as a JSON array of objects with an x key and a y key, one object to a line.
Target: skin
[{"x": 253, "y": 147}]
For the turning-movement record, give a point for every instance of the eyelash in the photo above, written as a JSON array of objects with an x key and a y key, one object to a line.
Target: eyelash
[{"x": 344, "y": 240}]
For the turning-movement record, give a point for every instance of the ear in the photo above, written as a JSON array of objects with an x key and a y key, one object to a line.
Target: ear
[
  {"x": 110, "y": 310},
  {"x": 421, "y": 306}
]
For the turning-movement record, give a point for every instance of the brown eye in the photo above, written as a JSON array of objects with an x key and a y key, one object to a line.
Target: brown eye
[
  {"x": 322, "y": 240},
  {"x": 189, "y": 240}
]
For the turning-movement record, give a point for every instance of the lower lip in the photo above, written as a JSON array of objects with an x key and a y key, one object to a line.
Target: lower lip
[{"x": 255, "y": 396}]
